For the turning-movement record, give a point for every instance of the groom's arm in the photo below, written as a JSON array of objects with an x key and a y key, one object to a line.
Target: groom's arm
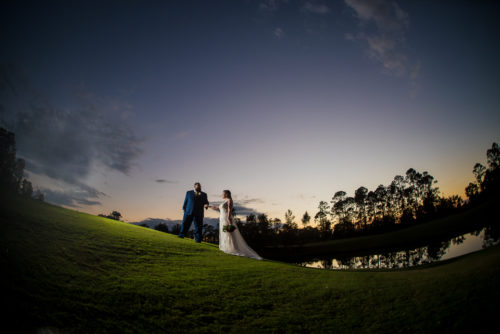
[
  {"x": 206, "y": 201},
  {"x": 185, "y": 201}
]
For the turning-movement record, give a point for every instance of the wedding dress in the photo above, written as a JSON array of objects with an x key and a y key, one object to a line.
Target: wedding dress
[{"x": 233, "y": 242}]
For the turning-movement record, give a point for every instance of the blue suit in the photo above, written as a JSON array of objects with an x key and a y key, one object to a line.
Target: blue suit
[{"x": 193, "y": 210}]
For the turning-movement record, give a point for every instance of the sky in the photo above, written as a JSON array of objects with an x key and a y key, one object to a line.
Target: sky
[{"x": 123, "y": 105}]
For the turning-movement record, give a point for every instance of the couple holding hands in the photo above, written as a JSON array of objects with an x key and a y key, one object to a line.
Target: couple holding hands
[{"x": 230, "y": 239}]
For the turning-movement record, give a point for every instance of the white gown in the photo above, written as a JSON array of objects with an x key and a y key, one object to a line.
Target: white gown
[{"x": 233, "y": 242}]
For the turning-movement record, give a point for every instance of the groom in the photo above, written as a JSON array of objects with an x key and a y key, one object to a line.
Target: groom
[{"x": 193, "y": 206}]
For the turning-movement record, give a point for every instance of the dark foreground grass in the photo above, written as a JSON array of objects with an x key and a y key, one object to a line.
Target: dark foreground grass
[{"x": 72, "y": 272}]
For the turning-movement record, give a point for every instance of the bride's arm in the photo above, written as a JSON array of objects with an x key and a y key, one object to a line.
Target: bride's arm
[{"x": 229, "y": 209}]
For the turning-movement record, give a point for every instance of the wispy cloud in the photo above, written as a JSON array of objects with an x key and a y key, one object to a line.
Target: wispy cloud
[
  {"x": 278, "y": 33},
  {"x": 72, "y": 198},
  {"x": 66, "y": 144},
  {"x": 312, "y": 11},
  {"x": 247, "y": 201},
  {"x": 316, "y": 8},
  {"x": 181, "y": 134},
  {"x": 270, "y": 5},
  {"x": 165, "y": 181},
  {"x": 241, "y": 207},
  {"x": 242, "y": 210},
  {"x": 386, "y": 14},
  {"x": 382, "y": 27}
]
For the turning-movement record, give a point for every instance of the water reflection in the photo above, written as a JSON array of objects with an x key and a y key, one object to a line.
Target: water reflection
[{"x": 438, "y": 251}]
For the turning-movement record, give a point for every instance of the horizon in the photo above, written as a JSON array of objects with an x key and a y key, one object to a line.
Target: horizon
[{"x": 123, "y": 107}]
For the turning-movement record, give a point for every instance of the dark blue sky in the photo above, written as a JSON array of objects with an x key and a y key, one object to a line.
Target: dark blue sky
[{"x": 284, "y": 102}]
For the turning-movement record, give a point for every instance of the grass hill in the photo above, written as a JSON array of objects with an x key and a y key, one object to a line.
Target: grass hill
[{"x": 70, "y": 272}]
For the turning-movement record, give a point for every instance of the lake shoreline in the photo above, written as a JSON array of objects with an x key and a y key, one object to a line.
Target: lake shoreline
[{"x": 414, "y": 236}]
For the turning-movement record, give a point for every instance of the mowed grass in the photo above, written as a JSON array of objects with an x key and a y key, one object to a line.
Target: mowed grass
[{"x": 71, "y": 272}]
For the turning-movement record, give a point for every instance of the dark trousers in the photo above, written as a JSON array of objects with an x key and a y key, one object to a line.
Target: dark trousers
[{"x": 198, "y": 225}]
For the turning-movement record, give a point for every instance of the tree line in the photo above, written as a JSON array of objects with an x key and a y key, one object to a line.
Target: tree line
[
  {"x": 115, "y": 215},
  {"x": 409, "y": 199},
  {"x": 487, "y": 178}
]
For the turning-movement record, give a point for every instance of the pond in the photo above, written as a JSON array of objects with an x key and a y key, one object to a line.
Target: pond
[{"x": 439, "y": 251}]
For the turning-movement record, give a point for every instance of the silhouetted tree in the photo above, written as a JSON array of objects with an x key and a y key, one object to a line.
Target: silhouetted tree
[
  {"x": 380, "y": 201},
  {"x": 360, "y": 196},
  {"x": 162, "y": 227},
  {"x": 250, "y": 231},
  {"x": 479, "y": 171},
  {"x": 472, "y": 190},
  {"x": 305, "y": 219},
  {"x": 26, "y": 188},
  {"x": 18, "y": 174},
  {"x": 321, "y": 218},
  {"x": 290, "y": 223},
  {"x": 12, "y": 169},
  {"x": 7, "y": 161},
  {"x": 338, "y": 203},
  {"x": 175, "y": 229},
  {"x": 491, "y": 183},
  {"x": 493, "y": 155},
  {"x": 276, "y": 225},
  {"x": 115, "y": 215},
  {"x": 487, "y": 182},
  {"x": 262, "y": 223},
  {"x": 39, "y": 195},
  {"x": 397, "y": 192},
  {"x": 210, "y": 234},
  {"x": 407, "y": 217}
]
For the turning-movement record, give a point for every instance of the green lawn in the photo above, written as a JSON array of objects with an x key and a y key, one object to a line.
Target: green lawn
[{"x": 72, "y": 272}]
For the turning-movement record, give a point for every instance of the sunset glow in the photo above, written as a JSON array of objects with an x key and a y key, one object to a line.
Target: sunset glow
[{"x": 124, "y": 108}]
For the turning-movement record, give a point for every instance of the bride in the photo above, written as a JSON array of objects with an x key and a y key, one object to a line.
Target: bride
[{"x": 231, "y": 242}]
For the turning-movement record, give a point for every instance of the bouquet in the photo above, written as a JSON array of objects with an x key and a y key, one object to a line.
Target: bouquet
[{"x": 228, "y": 228}]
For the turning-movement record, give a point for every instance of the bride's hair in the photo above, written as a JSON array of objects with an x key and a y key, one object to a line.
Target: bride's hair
[{"x": 228, "y": 193}]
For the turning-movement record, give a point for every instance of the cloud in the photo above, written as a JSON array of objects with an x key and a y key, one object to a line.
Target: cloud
[
  {"x": 305, "y": 197},
  {"x": 240, "y": 208},
  {"x": 386, "y": 14},
  {"x": 247, "y": 201},
  {"x": 271, "y": 5},
  {"x": 386, "y": 41},
  {"x": 181, "y": 134},
  {"x": 72, "y": 198},
  {"x": 315, "y": 8},
  {"x": 278, "y": 33},
  {"x": 384, "y": 49},
  {"x": 165, "y": 181},
  {"x": 67, "y": 144}
]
